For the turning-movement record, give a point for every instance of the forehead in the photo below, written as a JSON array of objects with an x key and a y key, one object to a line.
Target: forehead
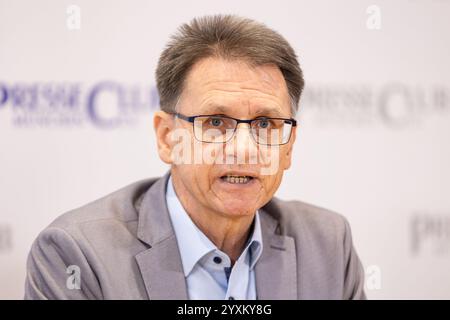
[{"x": 223, "y": 84}]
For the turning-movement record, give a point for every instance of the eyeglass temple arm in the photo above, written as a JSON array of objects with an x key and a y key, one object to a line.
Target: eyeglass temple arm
[{"x": 183, "y": 117}]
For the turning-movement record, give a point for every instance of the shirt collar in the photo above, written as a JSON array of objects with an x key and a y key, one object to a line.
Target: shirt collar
[{"x": 193, "y": 243}]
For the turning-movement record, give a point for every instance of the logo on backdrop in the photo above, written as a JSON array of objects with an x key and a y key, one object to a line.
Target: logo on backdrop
[
  {"x": 106, "y": 104},
  {"x": 111, "y": 104},
  {"x": 394, "y": 105},
  {"x": 430, "y": 233}
]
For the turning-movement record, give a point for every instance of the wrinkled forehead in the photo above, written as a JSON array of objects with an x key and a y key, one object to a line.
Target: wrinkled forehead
[{"x": 215, "y": 85}]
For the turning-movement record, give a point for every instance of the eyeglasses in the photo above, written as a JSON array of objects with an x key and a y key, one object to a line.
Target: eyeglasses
[{"x": 220, "y": 129}]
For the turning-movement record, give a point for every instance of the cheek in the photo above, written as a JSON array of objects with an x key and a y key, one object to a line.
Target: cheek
[
  {"x": 269, "y": 183},
  {"x": 199, "y": 174},
  {"x": 211, "y": 154},
  {"x": 203, "y": 176},
  {"x": 285, "y": 158},
  {"x": 195, "y": 179},
  {"x": 182, "y": 147}
]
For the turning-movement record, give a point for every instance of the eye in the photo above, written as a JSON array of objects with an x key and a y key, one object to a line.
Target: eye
[
  {"x": 216, "y": 122},
  {"x": 263, "y": 124}
]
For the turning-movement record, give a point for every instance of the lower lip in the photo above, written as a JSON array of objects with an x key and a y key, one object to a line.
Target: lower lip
[{"x": 238, "y": 186}]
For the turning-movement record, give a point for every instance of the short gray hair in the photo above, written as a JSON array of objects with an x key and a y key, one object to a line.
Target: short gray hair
[{"x": 229, "y": 37}]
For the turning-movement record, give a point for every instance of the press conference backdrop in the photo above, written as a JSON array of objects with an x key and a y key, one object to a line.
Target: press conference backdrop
[{"x": 77, "y": 94}]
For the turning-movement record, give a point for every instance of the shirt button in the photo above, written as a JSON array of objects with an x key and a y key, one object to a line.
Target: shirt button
[
  {"x": 230, "y": 298},
  {"x": 217, "y": 260}
]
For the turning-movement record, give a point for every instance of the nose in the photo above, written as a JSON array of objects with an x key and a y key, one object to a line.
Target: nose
[{"x": 243, "y": 147}]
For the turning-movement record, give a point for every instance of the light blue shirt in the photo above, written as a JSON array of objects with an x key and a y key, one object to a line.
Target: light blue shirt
[{"x": 207, "y": 269}]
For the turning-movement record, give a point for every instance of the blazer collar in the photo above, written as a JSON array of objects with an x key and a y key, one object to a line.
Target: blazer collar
[
  {"x": 154, "y": 223},
  {"x": 160, "y": 265},
  {"x": 276, "y": 270}
]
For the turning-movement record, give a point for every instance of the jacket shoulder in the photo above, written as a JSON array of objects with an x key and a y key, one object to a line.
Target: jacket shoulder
[
  {"x": 121, "y": 206},
  {"x": 297, "y": 216}
]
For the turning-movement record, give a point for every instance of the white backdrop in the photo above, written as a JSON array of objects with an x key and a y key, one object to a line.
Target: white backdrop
[{"x": 76, "y": 109}]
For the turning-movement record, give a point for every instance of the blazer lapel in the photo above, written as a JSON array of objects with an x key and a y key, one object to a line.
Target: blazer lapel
[
  {"x": 276, "y": 269},
  {"x": 160, "y": 265}
]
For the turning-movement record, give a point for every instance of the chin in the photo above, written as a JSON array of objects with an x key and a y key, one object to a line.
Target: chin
[{"x": 238, "y": 208}]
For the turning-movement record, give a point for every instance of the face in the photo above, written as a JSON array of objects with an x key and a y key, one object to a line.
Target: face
[{"x": 235, "y": 89}]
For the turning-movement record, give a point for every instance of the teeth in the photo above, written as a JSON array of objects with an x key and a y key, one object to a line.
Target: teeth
[{"x": 237, "y": 179}]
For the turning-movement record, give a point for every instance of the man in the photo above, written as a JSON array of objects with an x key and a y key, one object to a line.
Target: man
[{"x": 210, "y": 228}]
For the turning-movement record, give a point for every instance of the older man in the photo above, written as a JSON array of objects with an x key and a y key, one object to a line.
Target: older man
[{"x": 210, "y": 228}]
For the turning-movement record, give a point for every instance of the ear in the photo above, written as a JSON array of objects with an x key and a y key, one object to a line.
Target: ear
[
  {"x": 163, "y": 125},
  {"x": 289, "y": 148}
]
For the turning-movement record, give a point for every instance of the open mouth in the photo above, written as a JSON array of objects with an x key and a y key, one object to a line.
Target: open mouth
[{"x": 236, "y": 179}]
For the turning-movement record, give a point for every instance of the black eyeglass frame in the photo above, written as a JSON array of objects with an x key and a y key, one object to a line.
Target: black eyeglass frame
[{"x": 191, "y": 119}]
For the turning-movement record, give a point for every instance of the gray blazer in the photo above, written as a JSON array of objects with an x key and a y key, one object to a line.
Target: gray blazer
[{"x": 124, "y": 247}]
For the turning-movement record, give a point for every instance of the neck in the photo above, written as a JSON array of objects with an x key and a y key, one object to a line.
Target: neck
[{"x": 229, "y": 234}]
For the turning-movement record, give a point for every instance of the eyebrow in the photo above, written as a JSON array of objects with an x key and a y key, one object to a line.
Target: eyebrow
[{"x": 220, "y": 109}]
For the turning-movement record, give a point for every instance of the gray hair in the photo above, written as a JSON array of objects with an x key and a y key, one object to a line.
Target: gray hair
[{"x": 227, "y": 37}]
